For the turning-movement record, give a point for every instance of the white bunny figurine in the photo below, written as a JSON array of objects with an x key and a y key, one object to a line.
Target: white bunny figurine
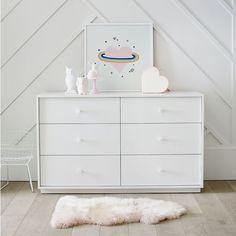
[
  {"x": 70, "y": 81},
  {"x": 82, "y": 85}
]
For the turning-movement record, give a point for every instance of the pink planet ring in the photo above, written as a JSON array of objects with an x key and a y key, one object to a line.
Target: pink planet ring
[{"x": 102, "y": 56}]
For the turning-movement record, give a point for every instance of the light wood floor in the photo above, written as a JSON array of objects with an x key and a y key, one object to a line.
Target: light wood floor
[{"x": 212, "y": 212}]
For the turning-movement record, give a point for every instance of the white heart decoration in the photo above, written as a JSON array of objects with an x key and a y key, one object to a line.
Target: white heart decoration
[{"x": 152, "y": 82}]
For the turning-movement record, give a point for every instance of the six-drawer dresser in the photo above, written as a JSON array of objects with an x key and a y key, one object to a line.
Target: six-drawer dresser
[{"x": 120, "y": 142}]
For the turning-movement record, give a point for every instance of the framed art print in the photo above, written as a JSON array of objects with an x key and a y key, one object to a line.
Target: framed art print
[{"x": 121, "y": 51}]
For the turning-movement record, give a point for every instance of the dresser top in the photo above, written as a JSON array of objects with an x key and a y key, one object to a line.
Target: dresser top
[{"x": 122, "y": 94}]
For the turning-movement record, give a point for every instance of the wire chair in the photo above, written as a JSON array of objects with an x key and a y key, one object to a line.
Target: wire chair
[{"x": 17, "y": 149}]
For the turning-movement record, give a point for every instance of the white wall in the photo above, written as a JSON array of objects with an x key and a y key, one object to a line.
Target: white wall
[{"x": 193, "y": 47}]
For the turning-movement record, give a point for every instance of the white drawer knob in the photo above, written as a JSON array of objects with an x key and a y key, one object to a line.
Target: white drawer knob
[
  {"x": 80, "y": 171},
  {"x": 78, "y": 140},
  {"x": 161, "y": 139},
  {"x": 78, "y": 111},
  {"x": 160, "y": 170}
]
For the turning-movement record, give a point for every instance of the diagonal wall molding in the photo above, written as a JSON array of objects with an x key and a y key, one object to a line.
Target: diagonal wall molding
[
  {"x": 52, "y": 79},
  {"x": 226, "y": 6},
  {"x": 75, "y": 35},
  {"x": 216, "y": 134},
  {"x": 34, "y": 33},
  {"x": 182, "y": 6},
  {"x": 10, "y": 9},
  {"x": 25, "y": 134},
  {"x": 165, "y": 34},
  {"x": 94, "y": 8},
  {"x": 26, "y": 65}
]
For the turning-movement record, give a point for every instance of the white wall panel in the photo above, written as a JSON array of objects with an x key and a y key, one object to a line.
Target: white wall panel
[
  {"x": 34, "y": 57},
  {"x": 119, "y": 11},
  {"x": 181, "y": 28},
  {"x": 23, "y": 112},
  {"x": 229, "y": 2},
  {"x": 208, "y": 12},
  {"x": 7, "y": 6},
  {"x": 218, "y": 168},
  {"x": 15, "y": 32}
]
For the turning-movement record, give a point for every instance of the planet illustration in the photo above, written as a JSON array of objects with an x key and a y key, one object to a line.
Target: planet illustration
[
  {"x": 118, "y": 57},
  {"x": 134, "y": 57}
]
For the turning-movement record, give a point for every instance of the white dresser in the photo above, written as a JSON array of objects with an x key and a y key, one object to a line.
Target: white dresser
[{"x": 120, "y": 142}]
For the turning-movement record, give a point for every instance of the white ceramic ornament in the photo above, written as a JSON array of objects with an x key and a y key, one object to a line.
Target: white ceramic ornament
[
  {"x": 94, "y": 76},
  {"x": 153, "y": 82},
  {"x": 82, "y": 85},
  {"x": 70, "y": 82}
]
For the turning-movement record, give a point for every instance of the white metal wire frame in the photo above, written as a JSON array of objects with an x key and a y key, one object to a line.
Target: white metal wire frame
[{"x": 17, "y": 149}]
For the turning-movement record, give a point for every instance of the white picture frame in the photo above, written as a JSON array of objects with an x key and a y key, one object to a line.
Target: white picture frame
[{"x": 121, "y": 50}]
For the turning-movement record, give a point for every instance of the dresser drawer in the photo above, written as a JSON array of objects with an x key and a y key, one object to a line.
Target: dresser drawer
[
  {"x": 160, "y": 110},
  {"x": 79, "y": 110},
  {"x": 80, "y": 171},
  {"x": 161, "y": 170},
  {"x": 74, "y": 139},
  {"x": 161, "y": 138}
]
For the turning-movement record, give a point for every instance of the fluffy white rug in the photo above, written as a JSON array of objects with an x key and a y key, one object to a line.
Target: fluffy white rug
[{"x": 71, "y": 211}]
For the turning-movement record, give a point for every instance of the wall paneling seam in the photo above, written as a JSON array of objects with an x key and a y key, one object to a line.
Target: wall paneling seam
[
  {"x": 226, "y": 6},
  {"x": 171, "y": 39},
  {"x": 34, "y": 33},
  {"x": 182, "y": 6},
  {"x": 11, "y": 10},
  {"x": 74, "y": 37}
]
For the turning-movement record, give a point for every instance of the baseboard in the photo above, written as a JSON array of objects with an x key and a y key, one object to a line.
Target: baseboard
[{"x": 220, "y": 163}]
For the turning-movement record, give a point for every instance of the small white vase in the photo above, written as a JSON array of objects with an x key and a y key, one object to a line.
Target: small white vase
[
  {"x": 82, "y": 85},
  {"x": 70, "y": 82}
]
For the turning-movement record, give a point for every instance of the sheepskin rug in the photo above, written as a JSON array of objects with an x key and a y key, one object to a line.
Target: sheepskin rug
[{"x": 71, "y": 211}]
